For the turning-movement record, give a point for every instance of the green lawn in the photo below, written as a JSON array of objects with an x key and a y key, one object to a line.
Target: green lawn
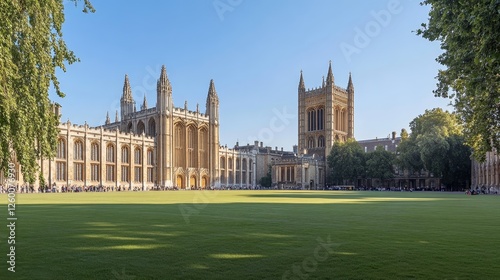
[{"x": 254, "y": 235}]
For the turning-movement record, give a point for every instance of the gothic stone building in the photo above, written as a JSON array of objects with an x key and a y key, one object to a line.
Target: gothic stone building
[
  {"x": 159, "y": 147},
  {"x": 325, "y": 115}
]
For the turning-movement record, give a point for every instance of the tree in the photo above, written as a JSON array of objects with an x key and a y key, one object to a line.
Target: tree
[
  {"x": 32, "y": 49},
  {"x": 380, "y": 164},
  {"x": 437, "y": 145},
  {"x": 266, "y": 181},
  {"x": 469, "y": 36},
  {"x": 346, "y": 162}
]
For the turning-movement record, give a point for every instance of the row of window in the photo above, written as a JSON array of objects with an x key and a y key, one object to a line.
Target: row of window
[
  {"x": 243, "y": 163},
  {"x": 78, "y": 174},
  {"x": 311, "y": 142},
  {"x": 110, "y": 153}
]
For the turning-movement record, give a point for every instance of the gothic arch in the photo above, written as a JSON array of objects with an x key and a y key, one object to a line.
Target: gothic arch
[
  {"x": 129, "y": 127},
  {"x": 152, "y": 127},
  {"x": 141, "y": 128}
]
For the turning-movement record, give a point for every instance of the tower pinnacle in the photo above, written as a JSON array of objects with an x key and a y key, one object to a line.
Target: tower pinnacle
[
  {"x": 144, "y": 105},
  {"x": 329, "y": 76},
  {"x": 301, "y": 82}
]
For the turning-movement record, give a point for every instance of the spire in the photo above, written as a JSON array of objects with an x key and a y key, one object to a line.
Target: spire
[
  {"x": 108, "y": 121},
  {"x": 127, "y": 91},
  {"x": 329, "y": 76},
  {"x": 350, "y": 85},
  {"x": 323, "y": 83},
  {"x": 211, "y": 89},
  {"x": 163, "y": 77},
  {"x": 144, "y": 103},
  {"x": 116, "y": 117},
  {"x": 301, "y": 82}
]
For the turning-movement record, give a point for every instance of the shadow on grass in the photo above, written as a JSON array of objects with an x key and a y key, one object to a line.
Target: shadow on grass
[{"x": 239, "y": 240}]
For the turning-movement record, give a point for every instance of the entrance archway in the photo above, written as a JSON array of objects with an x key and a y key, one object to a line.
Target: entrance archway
[
  {"x": 192, "y": 182},
  {"x": 180, "y": 182},
  {"x": 204, "y": 182}
]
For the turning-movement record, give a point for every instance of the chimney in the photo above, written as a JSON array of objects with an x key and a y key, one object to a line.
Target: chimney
[
  {"x": 261, "y": 144},
  {"x": 282, "y": 149},
  {"x": 394, "y": 135},
  {"x": 256, "y": 143}
]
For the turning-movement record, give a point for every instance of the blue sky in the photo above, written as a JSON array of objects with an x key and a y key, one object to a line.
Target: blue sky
[{"x": 254, "y": 50}]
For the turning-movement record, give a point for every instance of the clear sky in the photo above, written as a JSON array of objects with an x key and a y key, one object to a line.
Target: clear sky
[{"x": 254, "y": 50}]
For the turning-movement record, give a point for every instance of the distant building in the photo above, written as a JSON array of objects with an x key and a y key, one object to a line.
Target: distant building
[{"x": 403, "y": 179}]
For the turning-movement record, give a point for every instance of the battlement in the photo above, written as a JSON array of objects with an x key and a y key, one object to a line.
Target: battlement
[
  {"x": 100, "y": 130},
  {"x": 192, "y": 114}
]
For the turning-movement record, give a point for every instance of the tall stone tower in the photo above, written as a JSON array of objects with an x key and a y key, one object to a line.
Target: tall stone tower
[
  {"x": 164, "y": 139},
  {"x": 326, "y": 115},
  {"x": 212, "y": 111}
]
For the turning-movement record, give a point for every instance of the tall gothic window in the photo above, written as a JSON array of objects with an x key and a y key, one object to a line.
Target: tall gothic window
[
  {"x": 110, "y": 153},
  {"x": 137, "y": 156},
  {"x": 94, "y": 152},
  {"x": 320, "y": 119},
  {"x": 310, "y": 142},
  {"x": 125, "y": 155},
  {"x": 203, "y": 148},
  {"x": 78, "y": 150},
  {"x": 179, "y": 145},
  {"x": 321, "y": 141},
  {"x": 191, "y": 146},
  {"x": 61, "y": 149},
  {"x": 150, "y": 163}
]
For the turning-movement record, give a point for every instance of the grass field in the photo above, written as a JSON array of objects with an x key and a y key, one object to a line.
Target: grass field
[{"x": 254, "y": 235}]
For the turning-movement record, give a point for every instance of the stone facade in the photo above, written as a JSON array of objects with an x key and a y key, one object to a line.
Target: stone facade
[{"x": 486, "y": 175}]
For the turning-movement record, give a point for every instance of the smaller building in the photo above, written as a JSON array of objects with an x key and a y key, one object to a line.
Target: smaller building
[{"x": 403, "y": 179}]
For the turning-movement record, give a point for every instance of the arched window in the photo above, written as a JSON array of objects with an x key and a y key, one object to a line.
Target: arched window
[
  {"x": 180, "y": 142},
  {"x": 150, "y": 161},
  {"x": 137, "y": 156},
  {"x": 140, "y": 128},
  {"x": 310, "y": 142},
  {"x": 94, "y": 152},
  {"x": 203, "y": 148},
  {"x": 110, "y": 153},
  {"x": 191, "y": 146},
  {"x": 222, "y": 163},
  {"x": 78, "y": 150},
  {"x": 320, "y": 119},
  {"x": 152, "y": 127},
  {"x": 321, "y": 141},
  {"x": 61, "y": 149},
  {"x": 230, "y": 163},
  {"x": 125, "y": 155}
]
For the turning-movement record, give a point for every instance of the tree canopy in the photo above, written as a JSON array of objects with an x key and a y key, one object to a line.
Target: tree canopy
[
  {"x": 469, "y": 35},
  {"x": 436, "y": 144},
  {"x": 346, "y": 162},
  {"x": 31, "y": 50}
]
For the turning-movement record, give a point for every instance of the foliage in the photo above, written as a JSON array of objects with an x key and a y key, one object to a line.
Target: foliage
[
  {"x": 32, "y": 49},
  {"x": 380, "y": 164},
  {"x": 469, "y": 36},
  {"x": 437, "y": 145},
  {"x": 346, "y": 162},
  {"x": 266, "y": 181},
  {"x": 404, "y": 134}
]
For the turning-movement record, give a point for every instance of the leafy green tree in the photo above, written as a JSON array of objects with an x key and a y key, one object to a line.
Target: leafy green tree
[
  {"x": 437, "y": 145},
  {"x": 409, "y": 156},
  {"x": 267, "y": 180},
  {"x": 469, "y": 36},
  {"x": 380, "y": 164},
  {"x": 458, "y": 170},
  {"x": 32, "y": 49},
  {"x": 346, "y": 162}
]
